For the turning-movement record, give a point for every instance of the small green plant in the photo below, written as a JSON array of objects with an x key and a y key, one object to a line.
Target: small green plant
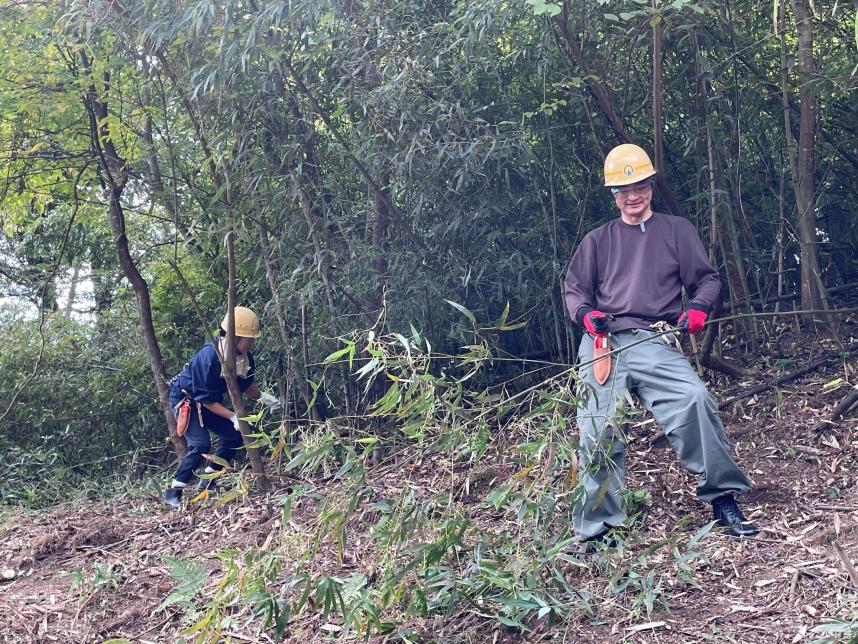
[
  {"x": 636, "y": 502},
  {"x": 190, "y": 576},
  {"x": 103, "y": 577},
  {"x": 106, "y": 576},
  {"x": 78, "y": 579},
  {"x": 687, "y": 558},
  {"x": 836, "y": 630},
  {"x": 842, "y": 627}
]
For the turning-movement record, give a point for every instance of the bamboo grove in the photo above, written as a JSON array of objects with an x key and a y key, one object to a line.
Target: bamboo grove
[{"x": 361, "y": 165}]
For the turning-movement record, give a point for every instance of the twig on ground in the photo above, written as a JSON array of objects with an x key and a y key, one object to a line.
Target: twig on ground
[
  {"x": 160, "y": 624},
  {"x": 840, "y": 410},
  {"x": 747, "y": 393},
  {"x": 238, "y": 636},
  {"x": 847, "y": 563},
  {"x": 814, "y": 451},
  {"x": 793, "y": 586}
]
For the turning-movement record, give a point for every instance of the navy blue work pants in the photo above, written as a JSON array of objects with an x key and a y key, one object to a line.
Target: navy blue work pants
[{"x": 200, "y": 442}]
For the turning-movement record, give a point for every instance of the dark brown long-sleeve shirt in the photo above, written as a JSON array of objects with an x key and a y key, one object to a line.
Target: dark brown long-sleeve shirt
[{"x": 637, "y": 276}]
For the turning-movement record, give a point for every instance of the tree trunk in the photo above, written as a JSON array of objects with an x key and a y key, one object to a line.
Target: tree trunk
[
  {"x": 746, "y": 329},
  {"x": 294, "y": 369},
  {"x": 115, "y": 172},
  {"x": 235, "y": 395},
  {"x": 380, "y": 222},
  {"x": 813, "y": 295},
  {"x": 144, "y": 305},
  {"x": 722, "y": 233},
  {"x": 657, "y": 144},
  {"x": 381, "y": 214}
]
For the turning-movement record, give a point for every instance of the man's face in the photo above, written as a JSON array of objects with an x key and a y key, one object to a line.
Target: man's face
[
  {"x": 634, "y": 200},
  {"x": 244, "y": 345}
]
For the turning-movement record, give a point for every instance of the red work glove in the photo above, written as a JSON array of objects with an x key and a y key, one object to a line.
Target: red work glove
[
  {"x": 693, "y": 319},
  {"x": 596, "y": 323}
]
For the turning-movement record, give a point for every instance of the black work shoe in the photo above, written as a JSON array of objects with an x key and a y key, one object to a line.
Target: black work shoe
[
  {"x": 607, "y": 540},
  {"x": 173, "y": 497},
  {"x": 728, "y": 515}
]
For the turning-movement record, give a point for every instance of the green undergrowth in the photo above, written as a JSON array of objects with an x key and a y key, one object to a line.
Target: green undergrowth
[
  {"x": 843, "y": 625},
  {"x": 372, "y": 559},
  {"x": 449, "y": 498},
  {"x": 38, "y": 479}
]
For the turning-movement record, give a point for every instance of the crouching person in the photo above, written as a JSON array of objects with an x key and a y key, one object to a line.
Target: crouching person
[{"x": 201, "y": 385}]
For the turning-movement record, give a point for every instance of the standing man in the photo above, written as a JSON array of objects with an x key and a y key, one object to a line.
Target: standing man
[
  {"x": 200, "y": 387},
  {"x": 626, "y": 276}
]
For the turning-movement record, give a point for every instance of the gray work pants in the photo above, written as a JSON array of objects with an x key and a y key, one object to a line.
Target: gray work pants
[{"x": 666, "y": 384}]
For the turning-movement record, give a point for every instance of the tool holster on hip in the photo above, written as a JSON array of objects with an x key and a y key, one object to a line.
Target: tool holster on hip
[
  {"x": 183, "y": 414},
  {"x": 602, "y": 362}
]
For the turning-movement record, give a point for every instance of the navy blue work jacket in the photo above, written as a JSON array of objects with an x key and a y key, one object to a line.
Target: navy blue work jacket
[{"x": 202, "y": 379}]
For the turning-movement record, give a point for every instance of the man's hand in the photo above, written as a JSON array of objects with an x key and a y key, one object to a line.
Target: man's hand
[
  {"x": 596, "y": 323},
  {"x": 234, "y": 419},
  {"x": 693, "y": 319},
  {"x": 271, "y": 401}
]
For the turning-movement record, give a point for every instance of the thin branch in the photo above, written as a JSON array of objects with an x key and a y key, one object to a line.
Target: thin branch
[{"x": 747, "y": 393}]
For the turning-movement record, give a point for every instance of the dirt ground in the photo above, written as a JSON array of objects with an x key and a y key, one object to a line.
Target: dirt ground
[{"x": 89, "y": 574}]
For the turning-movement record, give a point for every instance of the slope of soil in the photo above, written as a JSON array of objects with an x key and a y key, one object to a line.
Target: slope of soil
[{"x": 88, "y": 574}]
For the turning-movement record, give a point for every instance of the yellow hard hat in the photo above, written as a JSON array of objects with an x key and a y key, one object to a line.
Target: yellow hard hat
[
  {"x": 627, "y": 164},
  {"x": 246, "y": 323}
]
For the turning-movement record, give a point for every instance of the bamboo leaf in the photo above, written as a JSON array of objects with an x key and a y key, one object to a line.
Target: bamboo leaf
[
  {"x": 502, "y": 319},
  {"x": 217, "y": 459},
  {"x": 464, "y": 310},
  {"x": 229, "y": 497},
  {"x": 281, "y": 444},
  {"x": 512, "y": 327},
  {"x": 702, "y": 532},
  {"x": 339, "y": 353}
]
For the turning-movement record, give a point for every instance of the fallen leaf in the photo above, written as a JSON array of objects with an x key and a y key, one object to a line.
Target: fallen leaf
[
  {"x": 800, "y": 535},
  {"x": 832, "y": 383},
  {"x": 810, "y": 610},
  {"x": 835, "y": 464},
  {"x": 649, "y": 626},
  {"x": 831, "y": 441}
]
